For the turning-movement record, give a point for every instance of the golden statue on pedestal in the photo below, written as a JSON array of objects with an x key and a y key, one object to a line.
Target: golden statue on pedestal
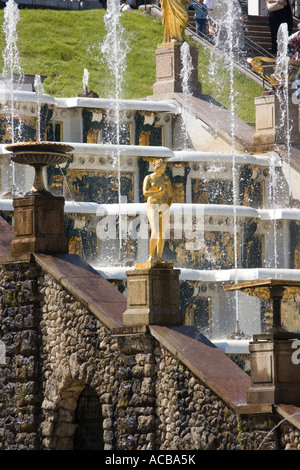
[
  {"x": 174, "y": 19},
  {"x": 158, "y": 191}
]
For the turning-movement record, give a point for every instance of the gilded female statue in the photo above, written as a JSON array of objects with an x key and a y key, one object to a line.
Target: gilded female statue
[
  {"x": 157, "y": 188},
  {"x": 174, "y": 19}
]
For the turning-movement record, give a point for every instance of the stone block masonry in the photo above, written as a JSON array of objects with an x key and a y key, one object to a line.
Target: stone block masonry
[{"x": 56, "y": 348}]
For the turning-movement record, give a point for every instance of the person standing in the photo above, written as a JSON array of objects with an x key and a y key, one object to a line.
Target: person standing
[
  {"x": 201, "y": 13},
  {"x": 125, "y": 5},
  {"x": 294, "y": 42},
  {"x": 210, "y": 7},
  {"x": 276, "y": 18}
]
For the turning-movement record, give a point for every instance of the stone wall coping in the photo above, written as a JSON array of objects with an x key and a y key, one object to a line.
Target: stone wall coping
[
  {"x": 291, "y": 413},
  {"x": 96, "y": 293},
  {"x": 209, "y": 363},
  {"x": 204, "y": 107}
]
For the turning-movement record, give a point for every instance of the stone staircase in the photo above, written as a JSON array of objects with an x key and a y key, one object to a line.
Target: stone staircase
[{"x": 257, "y": 31}]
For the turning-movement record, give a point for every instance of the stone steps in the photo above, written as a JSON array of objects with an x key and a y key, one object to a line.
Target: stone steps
[{"x": 256, "y": 28}]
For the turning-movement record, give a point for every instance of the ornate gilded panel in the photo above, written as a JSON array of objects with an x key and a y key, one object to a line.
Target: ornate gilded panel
[
  {"x": 297, "y": 257},
  {"x": 98, "y": 127},
  {"x": 54, "y": 131},
  {"x": 147, "y": 131},
  {"x": 108, "y": 134},
  {"x": 198, "y": 313},
  {"x": 75, "y": 246},
  {"x": 81, "y": 234},
  {"x": 212, "y": 191},
  {"x": 252, "y": 191},
  {"x": 216, "y": 251},
  {"x": 26, "y": 125},
  {"x": 178, "y": 192},
  {"x": 99, "y": 186},
  {"x": 254, "y": 256},
  {"x": 290, "y": 314},
  {"x": 295, "y": 244},
  {"x": 253, "y": 246},
  {"x": 197, "y": 309}
]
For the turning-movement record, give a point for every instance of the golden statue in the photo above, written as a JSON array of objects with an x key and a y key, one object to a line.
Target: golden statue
[
  {"x": 266, "y": 68},
  {"x": 174, "y": 19},
  {"x": 158, "y": 190}
]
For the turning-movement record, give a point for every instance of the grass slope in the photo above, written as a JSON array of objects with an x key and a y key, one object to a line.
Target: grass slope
[{"x": 60, "y": 44}]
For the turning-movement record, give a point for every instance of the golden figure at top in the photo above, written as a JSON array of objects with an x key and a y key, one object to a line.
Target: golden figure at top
[
  {"x": 158, "y": 190},
  {"x": 174, "y": 19}
]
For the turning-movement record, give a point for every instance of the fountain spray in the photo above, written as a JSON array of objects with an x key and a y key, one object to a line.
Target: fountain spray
[
  {"x": 114, "y": 50},
  {"x": 12, "y": 68},
  {"x": 185, "y": 74},
  {"x": 85, "y": 81},
  {"x": 281, "y": 74},
  {"x": 229, "y": 11},
  {"x": 39, "y": 95}
]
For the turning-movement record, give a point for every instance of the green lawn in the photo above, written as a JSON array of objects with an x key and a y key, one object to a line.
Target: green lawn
[{"x": 60, "y": 44}]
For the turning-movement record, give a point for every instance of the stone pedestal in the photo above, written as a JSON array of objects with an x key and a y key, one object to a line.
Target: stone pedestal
[
  {"x": 168, "y": 68},
  {"x": 39, "y": 225},
  {"x": 271, "y": 128},
  {"x": 275, "y": 372},
  {"x": 153, "y": 296}
]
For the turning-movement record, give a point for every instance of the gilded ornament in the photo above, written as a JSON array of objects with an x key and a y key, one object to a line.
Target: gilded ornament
[
  {"x": 175, "y": 19},
  {"x": 158, "y": 191}
]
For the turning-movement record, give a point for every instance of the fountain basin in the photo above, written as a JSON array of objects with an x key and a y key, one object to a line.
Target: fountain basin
[
  {"x": 39, "y": 155},
  {"x": 39, "y": 152}
]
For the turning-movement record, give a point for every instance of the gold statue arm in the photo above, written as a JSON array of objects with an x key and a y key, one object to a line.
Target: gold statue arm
[
  {"x": 169, "y": 192},
  {"x": 150, "y": 192}
]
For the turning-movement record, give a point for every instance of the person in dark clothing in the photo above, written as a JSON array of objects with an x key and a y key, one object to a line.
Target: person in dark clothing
[
  {"x": 276, "y": 18},
  {"x": 201, "y": 14}
]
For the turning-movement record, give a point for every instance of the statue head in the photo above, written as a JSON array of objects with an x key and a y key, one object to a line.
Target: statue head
[{"x": 160, "y": 164}]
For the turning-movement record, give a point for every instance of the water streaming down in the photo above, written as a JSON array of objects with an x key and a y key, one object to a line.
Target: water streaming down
[
  {"x": 185, "y": 75},
  {"x": 265, "y": 439},
  {"x": 39, "y": 90},
  {"x": 12, "y": 73},
  {"x": 114, "y": 50},
  {"x": 85, "y": 81},
  {"x": 282, "y": 76},
  {"x": 226, "y": 38},
  {"x": 273, "y": 183}
]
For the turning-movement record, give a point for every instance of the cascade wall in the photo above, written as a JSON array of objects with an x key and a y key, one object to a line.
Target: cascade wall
[{"x": 56, "y": 348}]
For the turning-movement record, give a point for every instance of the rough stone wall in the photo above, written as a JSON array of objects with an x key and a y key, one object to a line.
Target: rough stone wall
[
  {"x": 191, "y": 416},
  {"x": 149, "y": 399},
  {"x": 76, "y": 350},
  {"x": 20, "y": 392},
  {"x": 289, "y": 437}
]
